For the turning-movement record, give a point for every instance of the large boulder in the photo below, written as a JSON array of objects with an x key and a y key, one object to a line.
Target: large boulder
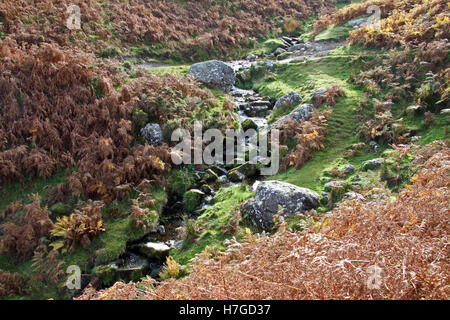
[
  {"x": 271, "y": 195},
  {"x": 152, "y": 134},
  {"x": 288, "y": 101},
  {"x": 214, "y": 74}
]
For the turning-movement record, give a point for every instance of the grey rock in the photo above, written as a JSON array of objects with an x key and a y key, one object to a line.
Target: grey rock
[
  {"x": 218, "y": 170},
  {"x": 372, "y": 164},
  {"x": 247, "y": 170},
  {"x": 283, "y": 56},
  {"x": 334, "y": 185},
  {"x": 445, "y": 111},
  {"x": 251, "y": 57},
  {"x": 270, "y": 64},
  {"x": 316, "y": 94},
  {"x": 271, "y": 195},
  {"x": 215, "y": 74},
  {"x": 249, "y": 124},
  {"x": 375, "y": 147},
  {"x": 279, "y": 51},
  {"x": 297, "y": 47},
  {"x": 348, "y": 169},
  {"x": 210, "y": 176},
  {"x": 206, "y": 189},
  {"x": 161, "y": 230},
  {"x": 299, "y": 114},
  {"x": 352, "y": 195},
  {"x": 154, "y": 250},
  {"x": 358, "y": 22},
  {"x": 152, "y": 134},
  {"x": 235, "y": 176},
  {"x": 288, "y": 101}
]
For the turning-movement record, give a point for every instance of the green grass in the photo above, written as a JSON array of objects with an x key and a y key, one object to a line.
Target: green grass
[
  {"x": 334, "y": 32},
  {"x": 305, "y": 79},
  {"x": 213, "y": 222},
  {"x": 105, "y": 248},
  {"x": 16, "y": 191}
]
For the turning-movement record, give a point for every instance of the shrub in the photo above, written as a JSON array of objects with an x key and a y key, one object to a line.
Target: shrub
[{"x": 79, "y": 227}]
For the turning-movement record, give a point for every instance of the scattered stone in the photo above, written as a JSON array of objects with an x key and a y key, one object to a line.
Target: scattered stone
[
  {"x": 210, "y": 176},
  {"x": 235, "y": 176},
  {"x": 297, "y": 47},
  {"x": 375, "y": 147},
  {"x": 223, "y": 180},
  {"x": 214, "y": 74},
  {"x": 161, "y": 230},
  {"x": 316, "y": 94},
  {"x": 152, "y": 134},
  {"x": 247, "y": 170},
  {"x": 270, "y": 64},
  {"x": 206, "y": 189},
  {"x": 372, "y": 164},
  {"x": 288, "y": 101},
  {"x": 348, "y": 169},
  {"x": 352, "y": 195},
  {"x": 251, "y": 57},
  {"x": 249, "y": 124},
  {"x": 283, "y": 56},
  {"x": 279, "y": 51},
  {"x": 334, "y": 185},
  {"x": 271, "y": 195},
  {"x": 218, "y": 170}
]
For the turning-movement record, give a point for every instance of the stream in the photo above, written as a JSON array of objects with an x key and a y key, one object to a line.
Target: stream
[{"x": 147, "y": 256}]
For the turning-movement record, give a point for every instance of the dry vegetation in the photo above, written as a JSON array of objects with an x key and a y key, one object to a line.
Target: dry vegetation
[
  {"x": 188, "y": 26},
  {"x": 403, "y": 21},
  {"x": 406, "y": 237}
]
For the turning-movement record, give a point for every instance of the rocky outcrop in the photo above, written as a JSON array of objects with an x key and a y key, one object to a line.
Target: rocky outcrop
[
  {"x": 270, "y": 196},
  {"x": 214, "y": 74},
  {"x": 288, "y": 101},
  {"x": 300, "y": 114}
]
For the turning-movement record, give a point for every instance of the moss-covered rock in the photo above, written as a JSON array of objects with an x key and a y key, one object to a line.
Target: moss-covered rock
[
  {"x": 247, "y": 170},
  {"x": 249, "y": 124},
  {"x": 372, "y": 164},
  {"x": 106, "y": 273},
  {"x": 210, "y": 176},
  {"x": 192, "y": 199}
]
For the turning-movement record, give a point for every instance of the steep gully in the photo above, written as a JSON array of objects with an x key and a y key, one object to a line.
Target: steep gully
[{"x": 147, "y": 255}]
